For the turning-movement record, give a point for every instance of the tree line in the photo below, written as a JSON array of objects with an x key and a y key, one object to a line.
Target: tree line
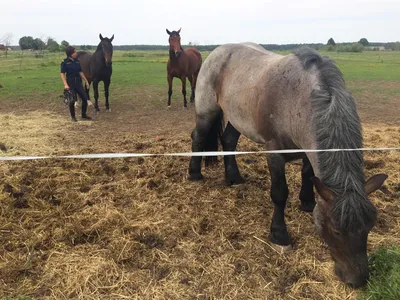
[{"x": 50, "y": 44}]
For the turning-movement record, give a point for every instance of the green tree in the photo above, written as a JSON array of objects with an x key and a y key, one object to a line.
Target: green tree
[
  {"x": 52, "y": 45},
  {"x": 331, "y": 42},
  {"x": 364, "y": 42},
  {"x": 38, "y": 44},
  {"x": 26, "y": 42},
  {"x": 64, "y": 44}
]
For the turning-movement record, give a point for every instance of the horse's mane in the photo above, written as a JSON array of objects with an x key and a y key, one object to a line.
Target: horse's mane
[{"x": 338, "y": 127}]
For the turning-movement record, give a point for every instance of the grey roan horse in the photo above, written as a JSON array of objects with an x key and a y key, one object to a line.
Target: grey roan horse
[
  {"x": 297, "y": 101},
  {"x": 98, "y": 67}
]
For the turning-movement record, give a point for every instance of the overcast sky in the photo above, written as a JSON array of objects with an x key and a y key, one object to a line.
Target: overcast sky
[{"x": 202, "y": 21}]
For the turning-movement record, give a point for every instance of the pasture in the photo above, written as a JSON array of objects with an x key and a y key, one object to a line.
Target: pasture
[{"x": 136, "y": 228}]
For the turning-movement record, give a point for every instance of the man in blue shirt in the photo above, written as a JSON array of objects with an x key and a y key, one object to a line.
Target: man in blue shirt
[{"x": 72, "y": 75}]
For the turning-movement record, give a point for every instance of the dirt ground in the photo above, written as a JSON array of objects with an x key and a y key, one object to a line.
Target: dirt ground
[{"x": 136, "y": 228}]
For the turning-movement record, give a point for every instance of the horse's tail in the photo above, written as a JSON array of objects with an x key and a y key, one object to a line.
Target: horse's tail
[{"x": 214, "y": 135}]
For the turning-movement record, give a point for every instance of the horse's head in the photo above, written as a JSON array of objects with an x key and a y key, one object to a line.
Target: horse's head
[
  {"x": 344, "y": 223},
  {"x": 107, "y": 48},
  {"x": 175, "y": 42}
]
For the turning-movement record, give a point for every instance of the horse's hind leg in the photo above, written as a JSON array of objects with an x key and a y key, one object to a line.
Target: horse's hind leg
[
  {"x": 306, "y": 196},
  {"x": 106, "y": 93},
  {"x": 229, "y": 141},
  {"x": 96, "y": 95},
  {"x": 192, "y": 87},
  {"x": 279, "y": 194},
  {"x": 204, "y": 138}
]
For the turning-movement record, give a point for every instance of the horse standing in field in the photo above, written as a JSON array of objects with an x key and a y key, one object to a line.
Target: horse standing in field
[
  {"x": 297, "y": 101},
  {"x": 98, "y": 67},
  {"x": 182, "y": 63}
]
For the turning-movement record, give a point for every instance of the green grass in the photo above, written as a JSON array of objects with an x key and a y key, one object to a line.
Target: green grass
[
  {"x": 385, "y": 275},
  {"x": 39, "y": 77}
]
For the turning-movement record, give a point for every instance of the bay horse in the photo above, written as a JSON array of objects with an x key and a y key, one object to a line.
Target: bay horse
[
  {"x": 98, "y": 67},
  {"x": 182, "y": 63},
  {"x": 296, "y": 101}
]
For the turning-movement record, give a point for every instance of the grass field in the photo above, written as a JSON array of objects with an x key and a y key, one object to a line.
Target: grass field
[{"x": 135, "y": 228}]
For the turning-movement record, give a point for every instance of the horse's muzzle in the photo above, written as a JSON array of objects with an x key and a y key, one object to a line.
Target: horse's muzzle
[{"x": 178, "y": 54}]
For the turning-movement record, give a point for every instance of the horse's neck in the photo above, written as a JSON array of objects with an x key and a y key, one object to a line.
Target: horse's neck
[
  {"x": 99, "y": 62},
  {"x": 98, "y": 56},
  {"x": 172, "y": 57}
]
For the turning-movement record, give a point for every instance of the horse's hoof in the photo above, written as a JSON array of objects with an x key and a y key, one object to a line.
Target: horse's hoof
[
  {"x": 280, "y": 238},
  {"x": 169, "y": 106},
  {"x": 234, "y": 180},
  {"x": 307, "y": 206},
  {"x": 195, "y": 177},
  {"x": 108, "y": 110}
]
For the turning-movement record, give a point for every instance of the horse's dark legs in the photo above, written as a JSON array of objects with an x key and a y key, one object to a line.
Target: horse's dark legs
[
  {"x": 200, "y": 138},
  {"x": 192, "y": 87},
  {"x": 229, "y": 141},
  {"x": 279, "y": 194},
  {"x": 87, "y": 90},
  {"x": 183, "y": 79},
  {"x": 169, "y": 89},
  {"x": 306, "y": 196},
  {"x": 96, "y": 95},
  {"x": 106, "y": 93}
]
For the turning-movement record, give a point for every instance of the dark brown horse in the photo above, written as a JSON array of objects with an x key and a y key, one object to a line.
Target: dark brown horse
[
  {"x": 182, "y": 63},
  {"x": 98, "y": 67},
  {"x": 297, "y": 101}
]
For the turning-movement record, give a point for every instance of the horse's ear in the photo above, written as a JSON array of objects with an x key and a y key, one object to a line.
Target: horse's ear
[
  {"x": 179, "y": 30},
  {"x": 101, "y": 37},
  {"x": 326, "y": 193},
  {"x": 169, "y": 32},
  {"x": 375, "y": 182},
  {"x": 112, "y": 38}
]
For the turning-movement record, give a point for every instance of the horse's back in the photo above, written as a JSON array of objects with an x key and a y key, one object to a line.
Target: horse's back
[
  {"x": 84, "y": 60},
  {"x": 253, "y": 87},
  {"x": 235, "y": 66},
  {"x": 195, "y": 59}
]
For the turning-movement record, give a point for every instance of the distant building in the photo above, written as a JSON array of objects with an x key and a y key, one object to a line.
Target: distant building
[
  {"x": 2, "y": 47},
  {"x": 375, "y": 48}
]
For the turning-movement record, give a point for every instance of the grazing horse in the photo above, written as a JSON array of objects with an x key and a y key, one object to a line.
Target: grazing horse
[
  {"x": 98, "y": 67},
  {"x": 297, "y": 101},
  {"x": 182, "y": 63}
]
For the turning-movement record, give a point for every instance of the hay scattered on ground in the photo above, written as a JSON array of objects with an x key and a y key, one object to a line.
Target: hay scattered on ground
[{"x": 137, "y": 229}]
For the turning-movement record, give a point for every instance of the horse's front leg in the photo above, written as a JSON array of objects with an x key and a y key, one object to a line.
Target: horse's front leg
[
  {"x": 169, "y": 78},
  {"x": 87, "y": 90},
  {"x": 96, "y": 95},
  {"x": 279, "y": 194},
  {"x": 183, "y": 79},
  {"x": 229, "y": 141},
  {"x": 106, "y": 93},
  {"x": 307, "y": 198}
]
